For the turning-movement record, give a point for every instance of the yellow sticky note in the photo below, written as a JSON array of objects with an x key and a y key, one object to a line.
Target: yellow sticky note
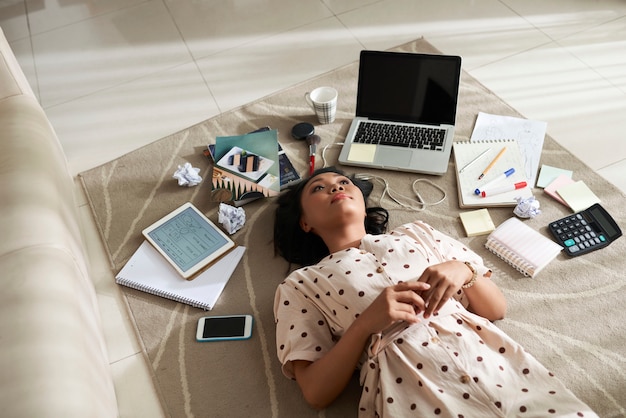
[
  {"x": 363, "y": 153},
  {"x": 477, "y": 222},
  {"x": 578, "y": 195}
]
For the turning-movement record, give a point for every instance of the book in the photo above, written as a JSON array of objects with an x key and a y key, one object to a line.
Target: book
[
  {"x": 477, "y": 222},
  {"x": 527, "y": 250},
  {"x": 149, "y": 272},
  {"x": 246, "y": 167},
  {"x": 469, "y": 168},
  {"x": 288, "y": 174},
  {"x": 188, "y": 240}
]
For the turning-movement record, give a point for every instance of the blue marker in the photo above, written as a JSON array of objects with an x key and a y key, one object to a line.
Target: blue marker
[{"x": 495, "y": 180}]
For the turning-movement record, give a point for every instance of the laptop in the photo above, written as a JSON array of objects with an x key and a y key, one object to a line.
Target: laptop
[{"x": 405, "y": 112}]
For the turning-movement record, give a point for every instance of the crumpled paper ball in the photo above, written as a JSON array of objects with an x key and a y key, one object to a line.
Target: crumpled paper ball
[
  {"x": 231, "y": 218},
  {"x": 187, "y": 175},
  {"x": 527, "y": 208}
]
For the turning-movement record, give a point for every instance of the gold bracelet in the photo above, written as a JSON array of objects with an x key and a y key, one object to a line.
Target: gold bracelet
[{"x": 474, "y": 276}]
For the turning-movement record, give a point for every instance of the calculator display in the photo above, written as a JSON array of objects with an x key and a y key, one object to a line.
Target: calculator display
[{"x": 598, "y": 215}]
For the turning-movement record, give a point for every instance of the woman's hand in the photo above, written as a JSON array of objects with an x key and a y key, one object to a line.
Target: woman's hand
[
  {"x": 445, "y": 279},
  {"x": 401, "y": 302}
]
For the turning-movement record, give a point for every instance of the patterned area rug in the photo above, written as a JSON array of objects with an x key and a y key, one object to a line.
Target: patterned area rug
[{"x": 571, "y": 316}]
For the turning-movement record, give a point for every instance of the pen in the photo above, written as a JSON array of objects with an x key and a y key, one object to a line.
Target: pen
[
  {"x": 503, "y": 189},
  {"x": 492, "y": 163},
  {"x": 475, "y": 159},
  {"x": 496, "y": 180}
]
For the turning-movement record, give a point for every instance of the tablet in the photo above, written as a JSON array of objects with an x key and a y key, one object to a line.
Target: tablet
[{"x": 188, "y": 240}]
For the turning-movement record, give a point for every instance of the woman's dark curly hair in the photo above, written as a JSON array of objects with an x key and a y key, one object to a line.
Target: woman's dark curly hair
[{"x": 306, "y": 248}]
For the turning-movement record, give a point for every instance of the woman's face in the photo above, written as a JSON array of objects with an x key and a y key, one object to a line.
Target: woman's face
[{"x": 331, "y": 200}]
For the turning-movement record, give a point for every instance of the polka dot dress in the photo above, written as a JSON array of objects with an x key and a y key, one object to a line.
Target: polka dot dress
[{"x": 456, "y": 364}]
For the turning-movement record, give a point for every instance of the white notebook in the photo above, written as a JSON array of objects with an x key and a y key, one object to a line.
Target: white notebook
[
  {"x": 472, "y": 158},
  {"x": 522, "y": 247},
  {"x": 149, "y": 272}
]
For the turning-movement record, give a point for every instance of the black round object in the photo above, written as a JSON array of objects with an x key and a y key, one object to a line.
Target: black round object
[{"x": 302, "y": 130}]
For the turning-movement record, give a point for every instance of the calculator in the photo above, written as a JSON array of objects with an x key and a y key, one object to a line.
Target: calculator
[{"x": 585, "y": 231}]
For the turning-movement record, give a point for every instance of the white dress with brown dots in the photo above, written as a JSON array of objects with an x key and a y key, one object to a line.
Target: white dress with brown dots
[{"x": 455, "y": 364}]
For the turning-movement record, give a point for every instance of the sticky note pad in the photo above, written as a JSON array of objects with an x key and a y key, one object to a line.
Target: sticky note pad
[
  {"x": 561, "y": 181},
  {"x": 477, "y": 222},
  {"x": 363, "y": 153},
  {"x": 548, "y": 174},
  {"x": 578, "y": 196}
]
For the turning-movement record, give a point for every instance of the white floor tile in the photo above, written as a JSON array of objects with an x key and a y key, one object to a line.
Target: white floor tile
[
  {"x": 86, "y": 57},
  {"x": 603, "y": 49},
  {"x": 560, "y": 18},
  {"x": 279, "y": 61},
  {"x": 136, "y": 395},
  {"x": 45, "y": 15},
  {"x": 210, "y": 27},
  {"x": 101, "y": 127}
]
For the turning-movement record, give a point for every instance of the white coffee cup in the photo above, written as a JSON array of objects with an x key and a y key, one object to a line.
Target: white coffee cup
[{"x": 323, "y": 100}]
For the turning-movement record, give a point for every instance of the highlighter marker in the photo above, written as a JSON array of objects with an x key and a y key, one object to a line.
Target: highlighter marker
[{"x": 503, "y": 189}]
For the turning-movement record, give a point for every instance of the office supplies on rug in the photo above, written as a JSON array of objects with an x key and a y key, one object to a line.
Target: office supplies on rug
[
  {"x": 188, "y": 240},
  {"x": 148, "y": 272},
  {"x": 578, "y": 195},
  {"x": 547, "y": 174},
  {"x": 525, "y": 249},
  {"x": 529, "y": 134},
  {"x": 476, "y": 222},
  {"x": 405, "y": 112},
  {"x": 585, "y": 231},
  {"x": 467, "y": 182}
]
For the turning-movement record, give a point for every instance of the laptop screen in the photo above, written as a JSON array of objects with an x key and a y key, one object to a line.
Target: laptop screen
[{"x": 406, "y": 87}]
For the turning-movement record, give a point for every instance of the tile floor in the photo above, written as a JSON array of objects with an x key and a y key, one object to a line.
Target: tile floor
[{"x": 115, "y": 75}]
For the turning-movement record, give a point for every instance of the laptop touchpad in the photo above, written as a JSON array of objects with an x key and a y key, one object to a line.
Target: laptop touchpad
[{"x": 393, "y": 157}]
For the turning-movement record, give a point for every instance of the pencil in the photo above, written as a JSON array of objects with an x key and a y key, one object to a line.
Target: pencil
[{"x": 492, "y": 163}]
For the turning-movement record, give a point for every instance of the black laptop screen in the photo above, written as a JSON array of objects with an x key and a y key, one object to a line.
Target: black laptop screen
[{"x": 406, "y": 87}]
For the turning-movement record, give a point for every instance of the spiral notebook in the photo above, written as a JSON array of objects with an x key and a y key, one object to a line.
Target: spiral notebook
[
  {"x": 472, "y": 158},
  {"x": 522, "y": 247},
  {"x": 148, "y": 271}
]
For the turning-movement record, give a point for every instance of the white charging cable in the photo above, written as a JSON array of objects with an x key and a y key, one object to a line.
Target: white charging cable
[{"x": 395, "y": 196}]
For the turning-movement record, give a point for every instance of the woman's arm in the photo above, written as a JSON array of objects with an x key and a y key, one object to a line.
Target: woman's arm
[
  {"x": 323, "y": 380},
  {"x": 445, "y": 279}
]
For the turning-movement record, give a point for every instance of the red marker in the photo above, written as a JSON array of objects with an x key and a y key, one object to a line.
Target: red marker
[{"x": 503, "y": 189}]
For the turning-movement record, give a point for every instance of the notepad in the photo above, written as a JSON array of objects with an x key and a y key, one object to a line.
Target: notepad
[
  {"x": 522, "y": 247},
  {"x": 477, "y": 222},
  {"x": 467, "y": 181},
  {"x": 149, "y": 272},
  {"x": 578, "y": 195}
]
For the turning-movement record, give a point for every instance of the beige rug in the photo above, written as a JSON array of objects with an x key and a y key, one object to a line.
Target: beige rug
[{"x": 571, "y": 316}]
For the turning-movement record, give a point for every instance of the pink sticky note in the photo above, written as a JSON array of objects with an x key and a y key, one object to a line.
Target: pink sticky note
[{"x": 560, "y": 181}]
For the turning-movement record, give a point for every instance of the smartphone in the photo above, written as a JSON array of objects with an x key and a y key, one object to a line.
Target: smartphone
[{"x": 221, "y": 328}]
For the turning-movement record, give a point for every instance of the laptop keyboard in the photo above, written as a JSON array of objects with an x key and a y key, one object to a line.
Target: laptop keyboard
[{"x": 407, "y": 136}]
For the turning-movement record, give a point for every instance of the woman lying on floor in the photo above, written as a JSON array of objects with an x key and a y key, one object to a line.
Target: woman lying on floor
[{"x": 410, "y": 308}]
